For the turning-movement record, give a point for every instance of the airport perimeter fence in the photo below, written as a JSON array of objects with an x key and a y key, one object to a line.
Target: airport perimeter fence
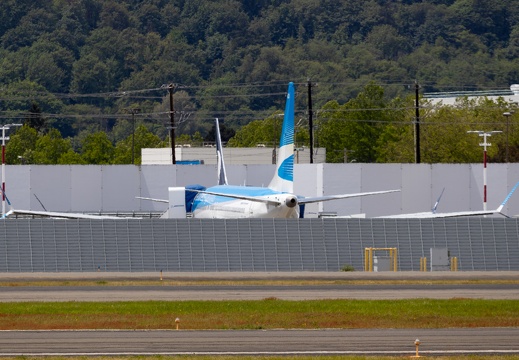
[{"x": 194, "y": 245}]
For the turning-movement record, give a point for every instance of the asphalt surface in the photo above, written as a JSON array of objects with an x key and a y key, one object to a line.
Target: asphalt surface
[
  {"x": 260, "y": 342},
  {"x": 255, "y": 292}
]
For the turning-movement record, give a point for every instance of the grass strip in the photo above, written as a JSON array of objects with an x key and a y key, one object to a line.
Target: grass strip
[{"x": 260, "y": 314}]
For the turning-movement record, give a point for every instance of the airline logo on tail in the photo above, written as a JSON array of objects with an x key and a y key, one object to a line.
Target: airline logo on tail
[{"x": 283, "y": 179}]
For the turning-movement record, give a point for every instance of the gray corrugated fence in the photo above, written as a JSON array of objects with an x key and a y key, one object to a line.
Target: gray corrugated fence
[{"x": 185, "y": 245}]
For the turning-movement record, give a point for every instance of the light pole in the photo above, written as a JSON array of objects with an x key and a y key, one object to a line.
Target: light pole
[
  {"x": 485, "y": 134},
  {"x": 507, "y": 115},
  {"x": 4, "y": 128}
]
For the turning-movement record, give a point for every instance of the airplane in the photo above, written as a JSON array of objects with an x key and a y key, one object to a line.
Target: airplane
[
  {"x": 54, "y": 214},
  {"x": 434, "y": 215},
  {"x": 278, "y": 200}
]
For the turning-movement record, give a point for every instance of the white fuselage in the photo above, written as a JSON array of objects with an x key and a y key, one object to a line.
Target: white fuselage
[{"x": 270, "y": 204}]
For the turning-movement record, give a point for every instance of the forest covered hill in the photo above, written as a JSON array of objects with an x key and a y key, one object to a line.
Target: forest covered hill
[{"x": 81, "y": 66}]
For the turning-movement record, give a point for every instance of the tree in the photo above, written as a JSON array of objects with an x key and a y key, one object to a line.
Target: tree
[
  {"x": 20, "y": 96},
  {"x": 31, "y": 27},
  {"x": 443, "y": 133},
  {"x": 34, "y": 118},
  {"x": 97, "y": 149},
  {"x": 355, "y": 126},
  {"x": 115, "y": 15},
  {"x": 71, "y": 158},
  {"x": 20, "y": 147},
  {"x": 225, "y": 133},
  {"x": 50, "y": 147},
  {"x": 92, "y": 75},
  {"x": 143, "y": 139},
  {"x": 265, "y": 132}
]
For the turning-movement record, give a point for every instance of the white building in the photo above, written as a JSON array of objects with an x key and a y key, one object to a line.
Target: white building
[
  {"x": 449, "y": 98},
  {"x": 233, "y": 156}
]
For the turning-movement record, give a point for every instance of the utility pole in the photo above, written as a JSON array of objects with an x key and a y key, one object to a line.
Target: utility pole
[
  {"x": 417, "y": 125},
  {"x": 171, "y": 87},
  {"x": 310, "y": 121},
  {"x": 133, "y": 112}
]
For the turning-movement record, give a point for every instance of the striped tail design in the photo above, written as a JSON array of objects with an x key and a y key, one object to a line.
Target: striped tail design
[{"x": 283, "y": 179}]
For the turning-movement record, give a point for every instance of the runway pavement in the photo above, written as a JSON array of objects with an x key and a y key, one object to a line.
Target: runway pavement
[
  {"x": 257, "y": 292},
  {"x": 260, "y": 342}
]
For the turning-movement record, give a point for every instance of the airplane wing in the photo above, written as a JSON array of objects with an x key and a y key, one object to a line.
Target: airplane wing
[
  {"x": 240, "y": 197},
  {"x": 63, "y": 215},
  {"x": 430, "y": 215},
  {"x": 152, "y": 199},
  {"x": 308, "y": 200}
]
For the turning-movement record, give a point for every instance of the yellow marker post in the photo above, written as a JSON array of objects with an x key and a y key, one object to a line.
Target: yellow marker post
[
  {"x": 423, "y": 264},
  {"x": 454, "y": 264},
  {"x": 177, "y": 322}
]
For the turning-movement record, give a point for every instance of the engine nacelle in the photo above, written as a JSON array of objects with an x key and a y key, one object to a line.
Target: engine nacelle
[{"x": 291, "y": 201}]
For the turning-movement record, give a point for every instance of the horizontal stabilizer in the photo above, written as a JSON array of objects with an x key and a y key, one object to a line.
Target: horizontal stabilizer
[{"x": 65, "y": 215}]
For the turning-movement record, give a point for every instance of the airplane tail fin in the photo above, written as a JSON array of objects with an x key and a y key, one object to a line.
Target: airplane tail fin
[
  {"x": 283, "y": 179},
  {"x": 222, "y": 175},
  {"x": 435, "y": 207},
  {"x": 500, "y": 208}
]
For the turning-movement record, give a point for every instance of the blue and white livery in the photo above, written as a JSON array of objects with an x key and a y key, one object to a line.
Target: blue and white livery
[{"x": 275, "y": 201}]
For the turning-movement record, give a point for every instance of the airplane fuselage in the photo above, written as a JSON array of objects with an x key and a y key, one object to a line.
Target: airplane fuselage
[{"x": 273, "y": 205}]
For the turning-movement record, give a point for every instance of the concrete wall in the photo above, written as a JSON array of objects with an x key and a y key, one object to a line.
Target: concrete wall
[{"x": 91, "y": 188}]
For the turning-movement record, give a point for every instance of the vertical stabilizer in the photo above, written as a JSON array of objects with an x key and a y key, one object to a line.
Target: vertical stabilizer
[
  {"x": 283, "y": 179},
  {"x": 222, "y": 175},
  {"x": 177, "y": 203}
]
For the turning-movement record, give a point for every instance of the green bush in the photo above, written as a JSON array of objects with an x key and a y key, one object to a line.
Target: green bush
[{"x": 348, "y": 267}]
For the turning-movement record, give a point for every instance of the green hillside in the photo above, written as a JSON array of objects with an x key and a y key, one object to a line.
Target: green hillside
[{"x": 81, "y": 66}]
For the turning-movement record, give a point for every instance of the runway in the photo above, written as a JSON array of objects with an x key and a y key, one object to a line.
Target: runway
[
  {"x": 259, "y": 342},
  {"x": 245, "y": 292}
]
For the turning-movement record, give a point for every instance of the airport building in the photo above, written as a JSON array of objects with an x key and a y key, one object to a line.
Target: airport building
[
  {"x": 261, "y": 154},
  {"x": 449, "y": 98}
]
